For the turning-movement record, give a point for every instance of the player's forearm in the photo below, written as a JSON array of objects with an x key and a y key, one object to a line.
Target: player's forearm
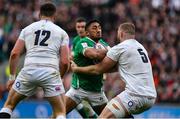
[
  {"x": 13, "y": 62},
  {"x": 87, "y": 70},
  {"x": 63, "y": 69}
]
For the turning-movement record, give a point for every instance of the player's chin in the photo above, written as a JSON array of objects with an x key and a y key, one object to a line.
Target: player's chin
[{"x": 97, "y": 38}]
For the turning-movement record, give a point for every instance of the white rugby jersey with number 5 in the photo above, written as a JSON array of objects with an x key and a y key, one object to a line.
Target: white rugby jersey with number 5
[
  {"x": 43, "y": 40},
  {"x": 134, "y": 67}
]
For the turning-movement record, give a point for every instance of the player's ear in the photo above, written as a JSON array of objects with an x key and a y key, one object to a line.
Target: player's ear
[{"x": 121, "y": 34}]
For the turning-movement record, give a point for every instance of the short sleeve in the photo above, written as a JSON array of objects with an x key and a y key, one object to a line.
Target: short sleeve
[
  {"x": 65, "y": 39},
  {"x": 115, "y": 52},
  {"x": 82, "y": 46},
  {"x": 22, "y": 35}
]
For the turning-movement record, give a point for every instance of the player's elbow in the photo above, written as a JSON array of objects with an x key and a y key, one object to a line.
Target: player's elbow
[
  {"x": 14, "y": 54},
  {"x": 65, "y": 63}
]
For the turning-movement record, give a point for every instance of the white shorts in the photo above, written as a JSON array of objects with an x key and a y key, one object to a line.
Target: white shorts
[
  {"x": 95, "y": 99},
  {"x": 30, "y": 78},
  {"x": 130, "y": 104}
]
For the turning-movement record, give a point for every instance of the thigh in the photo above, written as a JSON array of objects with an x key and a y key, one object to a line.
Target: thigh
[
  {"x": 106, "y": 113},
  {"x": 142, "y": 104},
  {"x": 114, "y": 108},
  {"x": 135, "y": 104},
  {"x": 51, "y": 82},
  {"x": 128, "y": 102},
  {"x": 13, "y": 99},
  {"x": 74, "y": 95},
  {"x": 24, "y": 83},
  {"x": 97, "y": 99}
]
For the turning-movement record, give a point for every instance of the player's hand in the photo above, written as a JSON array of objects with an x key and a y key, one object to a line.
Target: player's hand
[
  {"x": 9, "y": 84},
  {"x": 73, "y": 66}
]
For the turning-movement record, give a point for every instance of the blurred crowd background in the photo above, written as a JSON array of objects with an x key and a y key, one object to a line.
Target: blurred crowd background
[{"x": 157, "y": 28}]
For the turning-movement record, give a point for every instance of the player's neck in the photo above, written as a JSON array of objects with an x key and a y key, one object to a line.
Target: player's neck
[
  {"x": 47, "y": 18},
  {"x": 96, "y": 39},
  {"x": 82, "y": 36},
  {"x": 128, "y": 37}
]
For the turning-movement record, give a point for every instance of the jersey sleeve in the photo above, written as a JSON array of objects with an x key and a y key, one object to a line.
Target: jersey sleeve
[
  {"x": 65, "y": 39},
  {"x": 105, "y": 44},
  {"x": 115, "y": 52},
  {"x": 22, "y": 35},
  {"x": 82, "y": 46}
]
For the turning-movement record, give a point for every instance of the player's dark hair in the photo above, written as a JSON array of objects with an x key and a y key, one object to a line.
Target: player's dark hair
[
  {"x": 47, "y": 9},
  {"x": 80, "y": 19},
  {"x": 90, "y": 22}
]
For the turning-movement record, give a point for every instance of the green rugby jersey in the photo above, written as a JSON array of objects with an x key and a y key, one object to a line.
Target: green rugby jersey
[
  {"x": 74, "y": 42},
  {"x": 79, "y": 80}
]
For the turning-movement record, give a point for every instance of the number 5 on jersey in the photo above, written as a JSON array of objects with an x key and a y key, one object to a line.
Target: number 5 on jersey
[
  {"x": 40, "y": 33},
  {"x": 143, "y": 55}
]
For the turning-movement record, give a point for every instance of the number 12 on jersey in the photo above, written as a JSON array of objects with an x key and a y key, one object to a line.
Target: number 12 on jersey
[{"x": 40, "y": 33}]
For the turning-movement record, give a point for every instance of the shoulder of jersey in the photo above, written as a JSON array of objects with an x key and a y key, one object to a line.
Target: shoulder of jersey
[
  {"x": 58, "y": 28},
  {"x": 76, "y": 37},
  {"x": 83, "y": 39},
  {"x": 30, "y": 25}
]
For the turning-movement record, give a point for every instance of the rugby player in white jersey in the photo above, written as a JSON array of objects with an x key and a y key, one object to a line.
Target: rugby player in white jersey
[
  {"x": 46, "y": 62},
  {"x": 135, "y": 70}
]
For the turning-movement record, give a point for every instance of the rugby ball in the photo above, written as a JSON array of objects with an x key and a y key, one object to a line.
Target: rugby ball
[{"x": 100, "y": 46}]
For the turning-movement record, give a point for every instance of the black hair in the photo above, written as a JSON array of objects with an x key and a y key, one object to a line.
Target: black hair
[
  {"x": 90, "y": 22},
  {"x": 47, "y": 9}
]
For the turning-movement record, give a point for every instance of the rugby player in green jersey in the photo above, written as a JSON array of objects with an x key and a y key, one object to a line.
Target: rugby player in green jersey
[
  {"x": 88, "y": 87},
  {"x": 83, "y": 108},
  {"x": 80, "y": 29}
]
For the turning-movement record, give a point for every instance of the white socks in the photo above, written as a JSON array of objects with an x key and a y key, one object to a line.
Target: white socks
[
  {"x": 6, "y": 110},
  {"x": 60, "y": 117}
]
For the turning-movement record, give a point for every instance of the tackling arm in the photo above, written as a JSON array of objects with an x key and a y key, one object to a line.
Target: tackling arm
[
  {"x": 104, "y": 66},
  {"x": 93, "y": 53}
]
